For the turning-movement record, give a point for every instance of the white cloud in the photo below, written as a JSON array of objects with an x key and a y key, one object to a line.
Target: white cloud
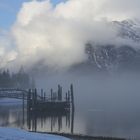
[
  {"x": 7, "y": 52},
  {"x": 96, "y": 9},
  {"x": 57, "y": 35}
]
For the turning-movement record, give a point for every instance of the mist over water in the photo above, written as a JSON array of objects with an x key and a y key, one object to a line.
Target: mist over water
[{"x": 106, "y": 105}]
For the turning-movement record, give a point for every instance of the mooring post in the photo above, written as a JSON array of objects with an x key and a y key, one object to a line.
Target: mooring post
[
  {"x": 72, "y": 96},
  {"x": 68, "y": 96},
  {"x": 51, "y": 94},
  {"x": 59, "y": 93},
  {"x": 29, "y": 100},
  {"x": 29, "y": 108},
  {"x": 32, "y": 98},
  {"x": 42, "y": 94},
  {"x": 54, "y": 95},
  {"x": 72, "y": 121},
  {"x": 35, "y": 98},
  {"x": 23, "y": 108},
  {"x": 23, "y": 101}
]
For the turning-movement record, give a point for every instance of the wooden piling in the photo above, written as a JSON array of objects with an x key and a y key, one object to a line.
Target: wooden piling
[
  {"x": 68, "y": 96},
  {"x": 35, "y": 98},
  {"x": 72, "y": 121},
  {"x": 29, "y": 108},
  {"x": 72, "y": 97},
  {"x": 51, "y": 94},
  {"x": 42, "y": 94},
  {"x": 23, "y": 108},
  {"x": 59, "y": 92},
  {"x": 29, "y": 100}
]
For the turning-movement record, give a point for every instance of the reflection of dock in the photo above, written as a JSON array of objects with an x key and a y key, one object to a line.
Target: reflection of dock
[{"x": 57, "y": 120}]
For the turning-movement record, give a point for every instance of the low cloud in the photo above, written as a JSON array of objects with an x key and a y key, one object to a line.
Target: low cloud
[{"x": 56, "y": 36}]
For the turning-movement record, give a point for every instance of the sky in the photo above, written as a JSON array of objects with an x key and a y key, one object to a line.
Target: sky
[{"x": 9, "y": 10}]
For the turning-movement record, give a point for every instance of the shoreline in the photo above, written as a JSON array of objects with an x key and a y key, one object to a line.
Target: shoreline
[
  {"x": 80, "y": 136},
  {"x": 7, "y": 133}
]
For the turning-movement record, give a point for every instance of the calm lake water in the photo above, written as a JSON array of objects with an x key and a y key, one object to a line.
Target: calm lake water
[{"x": 102, "y": 108}]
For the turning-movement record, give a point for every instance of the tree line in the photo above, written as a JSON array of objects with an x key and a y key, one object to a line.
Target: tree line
[{"x": 15, "y": 80}]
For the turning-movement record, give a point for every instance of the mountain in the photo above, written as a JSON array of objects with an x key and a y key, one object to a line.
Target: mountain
[
  {"x": 129, "y": 29},
  {"x": 110, "y": 57},
  {"x": 116, "y": 58}
]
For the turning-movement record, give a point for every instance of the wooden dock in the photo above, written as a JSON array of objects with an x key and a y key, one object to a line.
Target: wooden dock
[
  {"x": 55, "y": 101},
  {"x": 39, "y": 100},
  {"x": 57, "y": 104}
]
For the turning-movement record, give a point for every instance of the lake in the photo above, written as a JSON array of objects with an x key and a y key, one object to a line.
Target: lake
[{"x": 103, "y": 107}]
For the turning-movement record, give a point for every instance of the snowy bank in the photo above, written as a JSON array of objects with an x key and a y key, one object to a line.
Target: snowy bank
[{"x": 17, "y": 134}]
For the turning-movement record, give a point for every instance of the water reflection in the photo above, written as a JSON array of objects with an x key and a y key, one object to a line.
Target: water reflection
[
  {"x": 17, "y": 115},
  {"x": 51, "y": 121},
  {"x": 113, "y": 121},
  {"x": 11, "y": 116}
]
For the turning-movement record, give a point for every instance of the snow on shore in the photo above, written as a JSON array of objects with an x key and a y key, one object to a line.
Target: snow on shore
[{"x": 17, "y": 134}]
